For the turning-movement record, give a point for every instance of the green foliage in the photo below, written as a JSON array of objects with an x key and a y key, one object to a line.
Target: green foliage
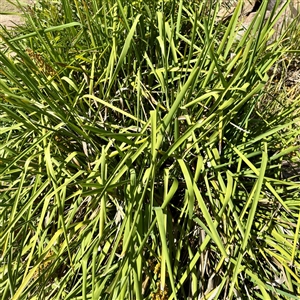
[{"x": 138, "y": 160}]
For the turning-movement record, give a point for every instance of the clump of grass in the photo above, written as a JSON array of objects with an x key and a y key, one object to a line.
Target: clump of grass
[{"x": 134, "y": 161}]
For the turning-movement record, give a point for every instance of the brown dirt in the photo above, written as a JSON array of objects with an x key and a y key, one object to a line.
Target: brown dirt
[
  {"x": 250, "y": 8},
  {"x": 6, "y": 7}
]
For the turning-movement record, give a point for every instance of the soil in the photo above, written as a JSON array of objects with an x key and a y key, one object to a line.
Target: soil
[
  {"x": 250, "y": 8},
  {"x": 11, "y": 19}
]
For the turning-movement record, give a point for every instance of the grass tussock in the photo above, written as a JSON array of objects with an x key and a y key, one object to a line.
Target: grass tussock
[{"x": 147, "y": 153}]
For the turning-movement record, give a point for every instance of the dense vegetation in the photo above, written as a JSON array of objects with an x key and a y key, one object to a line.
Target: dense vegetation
[{"x": 146, "y": 153}]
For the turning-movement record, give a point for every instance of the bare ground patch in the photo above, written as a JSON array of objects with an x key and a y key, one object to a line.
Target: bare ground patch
[{"x": 9, "y": 13}]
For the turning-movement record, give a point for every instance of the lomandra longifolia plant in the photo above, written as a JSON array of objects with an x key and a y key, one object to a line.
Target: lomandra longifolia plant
[{"x": 135, "y": 161}]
